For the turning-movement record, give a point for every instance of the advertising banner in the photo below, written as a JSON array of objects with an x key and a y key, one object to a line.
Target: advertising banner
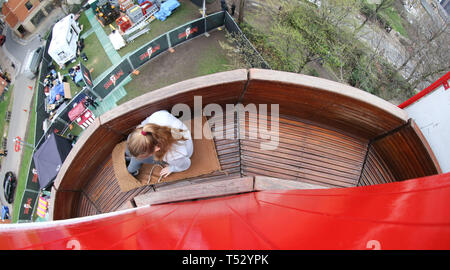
[
  {"x": 231, "y": 25},
  {"x": 187, "y": 31},
  {"x": 57, "y": 127},
  {"x": 113, "y": 79},
  {"x": 33, "y": 181},
  {"x": 27, "y": 205},
  {"x": 149, "y": 51}
]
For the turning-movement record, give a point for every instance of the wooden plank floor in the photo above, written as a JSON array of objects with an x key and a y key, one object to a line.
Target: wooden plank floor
[
  {"x": 102, "y": 194},
  {"x": 375, "y": 170},
  {"x": 306, "y": 153}
]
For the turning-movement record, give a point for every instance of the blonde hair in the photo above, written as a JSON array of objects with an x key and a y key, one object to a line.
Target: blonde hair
[{"x": 143, "y": 140}]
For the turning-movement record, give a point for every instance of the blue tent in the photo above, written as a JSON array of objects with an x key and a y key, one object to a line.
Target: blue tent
[{"x": 166, "y": 9}]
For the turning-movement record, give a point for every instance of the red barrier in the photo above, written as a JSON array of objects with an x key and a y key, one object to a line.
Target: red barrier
[
  {"x": 443, "y": 80},
  {"x": 410, "y": 214}
]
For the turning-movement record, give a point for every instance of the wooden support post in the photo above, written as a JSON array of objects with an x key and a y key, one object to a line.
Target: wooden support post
[
  {"x": 197, "y": 191},
  {"x": 241, "y": 11}
]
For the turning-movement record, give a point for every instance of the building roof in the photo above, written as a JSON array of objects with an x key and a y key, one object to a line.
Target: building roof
[
  {"x": 10, "y": 18},
  {"x": 15, "y": 11}
]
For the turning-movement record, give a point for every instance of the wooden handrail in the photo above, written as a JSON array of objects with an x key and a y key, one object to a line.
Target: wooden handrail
[{"x": 329, "y": 104}]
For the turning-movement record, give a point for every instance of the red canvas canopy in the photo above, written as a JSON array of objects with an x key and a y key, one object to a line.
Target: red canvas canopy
[{"x": 76, "y": 111}]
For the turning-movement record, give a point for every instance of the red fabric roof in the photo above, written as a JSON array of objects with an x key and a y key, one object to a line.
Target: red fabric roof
[{"x": 76, "y": 111}]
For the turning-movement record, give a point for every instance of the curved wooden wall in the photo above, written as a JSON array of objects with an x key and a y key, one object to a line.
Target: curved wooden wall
[
  {"x": 331, "y": 105},
  {"x": 326, "y": 102}
]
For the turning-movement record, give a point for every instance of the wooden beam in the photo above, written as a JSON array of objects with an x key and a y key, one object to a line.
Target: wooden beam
[
  {"x": 196, "y": 191},
  {"x": 271, "y": 183},
  {"x": 322, "y": 101}
]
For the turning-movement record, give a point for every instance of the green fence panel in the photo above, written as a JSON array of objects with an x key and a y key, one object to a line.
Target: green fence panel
[
  {"x": 149, "y": 51},
  {"x": 115, "y": 77},
  {"x": 215, "y": 20},
  {"x": 186, "y": 32}
]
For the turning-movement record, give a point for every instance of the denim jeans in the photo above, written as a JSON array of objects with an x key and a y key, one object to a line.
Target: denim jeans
[{"x": 136, "y": 164}]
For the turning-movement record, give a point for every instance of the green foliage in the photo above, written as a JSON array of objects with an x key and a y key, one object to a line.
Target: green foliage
[
  {"x": 312, "y": 72},
  {"x": 379, "y": 78},
  {"x": 362, "y": 77},
  {"x": 368, "y": 10},
  {"x": 300, "y": 35},
  {"x": 261, "y": 43}
]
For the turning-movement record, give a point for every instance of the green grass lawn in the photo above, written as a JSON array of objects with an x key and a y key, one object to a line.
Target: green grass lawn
[
  {"x": 97, "y": 59},
  {"x": 391, "y": 15},
  {"x": 83, "y": 20},
  {"x": 5, "y": 105},
  {"x": 213, "y": 60}
]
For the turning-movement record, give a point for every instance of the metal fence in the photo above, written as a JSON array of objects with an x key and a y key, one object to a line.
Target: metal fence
[
  {"x": 109, "y": 80},
  {"x": 252, "y": 56}
]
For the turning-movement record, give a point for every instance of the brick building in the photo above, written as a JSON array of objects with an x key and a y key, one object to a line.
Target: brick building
[{"x": 23, "y": 16}]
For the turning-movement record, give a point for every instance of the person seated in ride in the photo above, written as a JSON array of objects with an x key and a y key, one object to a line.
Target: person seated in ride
[{"x": 160, "y": 139}]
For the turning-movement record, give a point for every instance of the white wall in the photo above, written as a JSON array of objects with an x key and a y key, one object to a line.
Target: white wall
[{"x": 432, "y": 115}]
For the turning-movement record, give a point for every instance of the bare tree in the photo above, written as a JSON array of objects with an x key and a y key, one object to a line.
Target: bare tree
[
  {"x": 428, "y": 56},
  {"x": 383, "y": 5},
  {"x": 337, "y": 12},
  {"x": 241, "y": 11}
]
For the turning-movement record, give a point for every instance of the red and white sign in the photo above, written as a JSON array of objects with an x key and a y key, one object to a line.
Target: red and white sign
[
  {"x": 113, "y": 79},
  {"x": 189, "y": 31},
  {"x": 150, "y": 51}
]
